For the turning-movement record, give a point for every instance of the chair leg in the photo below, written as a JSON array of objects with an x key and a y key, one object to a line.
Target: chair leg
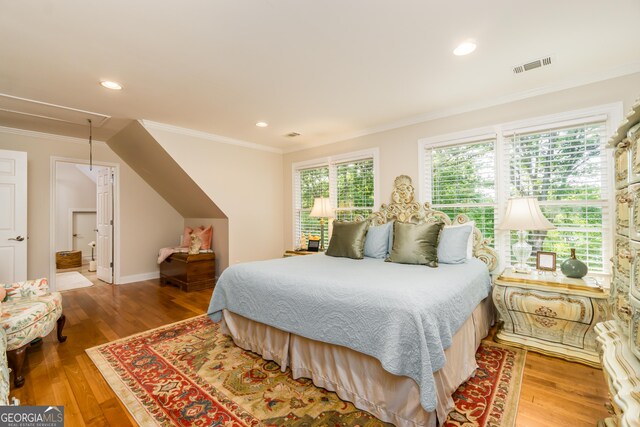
[
  {"x": 16, "y": 361},
  {"x": 61, "y": 322}
]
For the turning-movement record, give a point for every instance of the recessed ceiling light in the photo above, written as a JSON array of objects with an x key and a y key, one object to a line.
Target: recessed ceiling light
[
  {"x": 111, "y": 85},
  {"x": 262, "y": 124},
  {"x": 464, "y": 48}
]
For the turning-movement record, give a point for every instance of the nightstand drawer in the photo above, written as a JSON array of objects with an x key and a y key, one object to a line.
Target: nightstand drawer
[
  {"x": 554, "y": 330},
  {"x": 556, "y": 306}
]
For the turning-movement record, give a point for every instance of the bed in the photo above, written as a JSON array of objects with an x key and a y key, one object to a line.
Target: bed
[{"x": 395, "y": 339}]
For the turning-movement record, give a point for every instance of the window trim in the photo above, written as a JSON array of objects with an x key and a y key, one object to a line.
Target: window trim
[
  {"x": 330, "y": 161},
  {"x": 611, "y": 114}
]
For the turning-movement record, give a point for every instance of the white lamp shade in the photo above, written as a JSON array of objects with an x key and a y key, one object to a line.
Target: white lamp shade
[
  {"x": 322, "y": 208},
  {"x": 524, "y": 214}
]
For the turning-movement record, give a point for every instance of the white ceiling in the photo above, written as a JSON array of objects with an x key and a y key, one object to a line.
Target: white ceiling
[{"x": 326, "y": 69}]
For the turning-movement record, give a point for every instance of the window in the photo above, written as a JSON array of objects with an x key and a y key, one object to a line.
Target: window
[
  {"x": 566, "y": 170},
  {"x": 561, "y": 160},
  {"x": 350, "y": 182},
  {"x": 354, "y": 188},
  {"x": 463, "y": 181},
  {"x": 312, "y": 183}
]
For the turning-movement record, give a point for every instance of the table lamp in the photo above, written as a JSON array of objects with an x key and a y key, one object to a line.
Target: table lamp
[
  {"x": 322, "y": 209},
  {"x": 523, "y": 214}
]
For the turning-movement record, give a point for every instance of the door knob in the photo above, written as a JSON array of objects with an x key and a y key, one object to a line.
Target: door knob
[
  {"x": 75, "y": 234},
  {"x": 17, "y": 239}
]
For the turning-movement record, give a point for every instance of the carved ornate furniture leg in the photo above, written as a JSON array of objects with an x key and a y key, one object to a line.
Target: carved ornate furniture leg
[
  {"x": 61, "y": 322},
  {"x": 16, "y": 361}
]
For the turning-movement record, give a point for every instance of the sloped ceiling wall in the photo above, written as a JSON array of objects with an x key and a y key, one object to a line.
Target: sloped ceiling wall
[{"x": 139, "y": 149}]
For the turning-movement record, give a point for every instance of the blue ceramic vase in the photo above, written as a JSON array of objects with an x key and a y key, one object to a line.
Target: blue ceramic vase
[{"x": 573, "y": 267}]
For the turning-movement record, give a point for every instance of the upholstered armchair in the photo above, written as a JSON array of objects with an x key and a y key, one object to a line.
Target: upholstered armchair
[
  {"x": 4, "y": 368},
  {"x": 29, "y": 312}
]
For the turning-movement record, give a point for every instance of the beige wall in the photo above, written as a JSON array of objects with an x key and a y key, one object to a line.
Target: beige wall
[
  {"x": 220, "y": 244},
  {"x": 147, "y": 221},
  {"x": 74, "y": 190},
  {"x": 399, "y": 147},
  {"x": 246, "y": 184}
]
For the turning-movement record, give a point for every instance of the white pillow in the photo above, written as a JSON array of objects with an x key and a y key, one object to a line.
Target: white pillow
[{"x": 471, "y": 224}]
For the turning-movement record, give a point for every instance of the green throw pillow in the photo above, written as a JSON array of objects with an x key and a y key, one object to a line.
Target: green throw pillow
[
  {"x": 415, "y": 243},
  {"x": 347, "y": 239}
]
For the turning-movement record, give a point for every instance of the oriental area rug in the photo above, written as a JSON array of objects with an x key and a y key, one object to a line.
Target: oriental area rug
[{"x": 190, "y": 374}]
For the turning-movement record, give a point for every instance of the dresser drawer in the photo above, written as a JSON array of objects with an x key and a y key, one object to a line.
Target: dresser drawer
[
  {"x": 556, "y": 306},
  {"x": 634, "y": 154},
  {"x": 634, "y": 328},
  {"x": 623, "y": 211},
  {"x": 633, "y": 285},
  {"x": 631, "y": 198},
  {"x": 620, "y": 307},
  {"x": 621, "y": 159},
  {"x": 622, "y": 259}
]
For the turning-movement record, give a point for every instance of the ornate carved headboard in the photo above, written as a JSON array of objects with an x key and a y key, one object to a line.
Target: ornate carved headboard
[{"x": 404, "y": 208}]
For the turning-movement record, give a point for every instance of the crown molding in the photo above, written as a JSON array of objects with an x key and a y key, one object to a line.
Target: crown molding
[
  {"x": 49, "y": 136},
  {"x": 631, "y": 68},
  {"x": 208, "y": 136}
]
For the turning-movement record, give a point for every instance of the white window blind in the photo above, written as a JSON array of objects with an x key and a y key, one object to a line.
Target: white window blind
[
  {"x": 566, "y": 170},
  {"x": 354, "y": 189},
  {"x": 348, "y": 180},
  {"x": 309, "y": 184},
  {"x": 461, "y": 179}
]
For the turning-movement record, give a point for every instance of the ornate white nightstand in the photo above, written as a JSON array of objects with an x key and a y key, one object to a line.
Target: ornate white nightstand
[{"x": 551, "y": 314}]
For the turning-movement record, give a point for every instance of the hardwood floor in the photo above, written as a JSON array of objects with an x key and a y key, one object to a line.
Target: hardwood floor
[{"x": 554, "y": 392}]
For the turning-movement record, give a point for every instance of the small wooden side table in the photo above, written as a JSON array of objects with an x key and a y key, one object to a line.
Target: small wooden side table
[
  {"x": 297, "y": 252},
  {"x": 189, "y": 272},
  {"x": 551, "y": 314}
]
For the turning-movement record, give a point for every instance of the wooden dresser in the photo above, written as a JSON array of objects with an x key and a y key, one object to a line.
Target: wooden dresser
[
  {"x": 619, "y": 339},
  {"x": 189, "y": 272}
]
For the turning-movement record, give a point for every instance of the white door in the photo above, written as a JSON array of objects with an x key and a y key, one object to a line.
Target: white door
[
  {"x": 83, "y": 232},
  {"x": 104, "y": 208},
  {"x": 13, "y": 216}
]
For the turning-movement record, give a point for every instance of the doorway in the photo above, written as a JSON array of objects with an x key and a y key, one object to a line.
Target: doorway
[
  {"x": 83, "y": 223},
  {"x": 83, "y": 232}
]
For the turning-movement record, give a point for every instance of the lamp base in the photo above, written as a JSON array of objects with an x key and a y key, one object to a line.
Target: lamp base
[
  {"x": 524, "y": 269},
  {"x": 522, "y": 251},
  {"x": 321, "y": 234}
]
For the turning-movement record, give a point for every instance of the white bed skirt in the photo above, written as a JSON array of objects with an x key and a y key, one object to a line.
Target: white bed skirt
[{"x": 360, "y": 378}]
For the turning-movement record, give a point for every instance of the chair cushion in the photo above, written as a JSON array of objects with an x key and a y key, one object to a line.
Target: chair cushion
[
  {"x": 26, "y": 319},
  {"x": 28, "y": 288},
  {"x": 4, "y": 371}
]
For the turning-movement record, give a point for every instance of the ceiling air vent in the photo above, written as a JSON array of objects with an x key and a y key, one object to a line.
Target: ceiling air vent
[
  {"x": 293, "y": 134},
  {"x": 538, "y": 63}
]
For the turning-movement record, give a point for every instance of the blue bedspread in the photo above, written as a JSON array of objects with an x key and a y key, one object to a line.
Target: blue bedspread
[{"x": 403, "y": 315}]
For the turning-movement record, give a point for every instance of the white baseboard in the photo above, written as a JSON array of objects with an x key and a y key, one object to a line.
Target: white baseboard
[{"x": 138, "y": 277}]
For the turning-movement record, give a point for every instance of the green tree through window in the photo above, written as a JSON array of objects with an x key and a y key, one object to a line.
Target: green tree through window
[
  {"x": 463, "y": 182},
  {"x": 565, "y": 170},
  {"x": 350, "y": 184}
]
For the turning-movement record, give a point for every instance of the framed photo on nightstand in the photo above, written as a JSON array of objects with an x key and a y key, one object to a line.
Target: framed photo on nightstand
[
  {"x": 546, "y": 261},
  {"x": 313, "y": 245}
]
